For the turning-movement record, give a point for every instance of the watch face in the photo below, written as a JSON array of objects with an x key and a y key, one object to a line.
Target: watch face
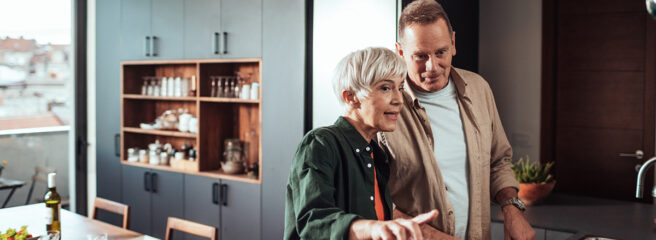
[{"x": 519, "y": 203}]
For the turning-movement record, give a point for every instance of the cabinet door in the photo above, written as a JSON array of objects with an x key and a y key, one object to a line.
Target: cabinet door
[
  {"x": 167, "y": 22},
  {"x": 108, "y": 166},
  {"x": 201, "y": 28},
  {"x": 497, "y": 230},
  {"x": 201, "y": 201},
  {"x": 136, "y": 183},
  {"x": 240, "y": 216},
  {"x": 135, "y": 27},
  {"x": 558, "y": 235},
  {"x": 242, "y": 21},
  {"x": 166, "y": 200}
]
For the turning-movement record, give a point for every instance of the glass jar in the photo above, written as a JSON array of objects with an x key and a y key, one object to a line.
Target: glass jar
[{"x": 232, "y": 150}]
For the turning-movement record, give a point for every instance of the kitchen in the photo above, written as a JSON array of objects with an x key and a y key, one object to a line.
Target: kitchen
[{"x": 283, "y": 51}]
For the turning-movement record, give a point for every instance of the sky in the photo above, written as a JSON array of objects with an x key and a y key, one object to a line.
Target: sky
[{"x": 47, "y": 21}]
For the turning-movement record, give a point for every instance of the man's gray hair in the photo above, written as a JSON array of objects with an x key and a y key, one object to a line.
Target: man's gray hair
[{"x": 360, "y": 70}]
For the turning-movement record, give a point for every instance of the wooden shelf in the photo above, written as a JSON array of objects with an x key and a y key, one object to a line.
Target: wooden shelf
[
  {"x": 228, "y": 100},
  {"x": 218, "y": 118},
  {"x": 219, "y": 174},
  {"x": 160, "y": 132},
  {"x": 142, "y": 97}
]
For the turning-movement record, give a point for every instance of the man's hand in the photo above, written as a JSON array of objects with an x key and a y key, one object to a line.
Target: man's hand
[
  {"x": 400, "y": 229},
  {"x": 515, "y": 225},
  {"x": 427, "y": 230}
]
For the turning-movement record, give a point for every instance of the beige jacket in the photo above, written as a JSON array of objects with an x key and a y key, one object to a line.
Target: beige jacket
[{"x": 416, "y": 182}]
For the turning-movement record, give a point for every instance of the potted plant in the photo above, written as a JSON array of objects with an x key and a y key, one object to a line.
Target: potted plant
[{"x": 535, "y": 181}]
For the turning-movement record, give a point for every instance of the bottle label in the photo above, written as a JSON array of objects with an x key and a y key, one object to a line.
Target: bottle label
[{"x": 49, "y": 215}]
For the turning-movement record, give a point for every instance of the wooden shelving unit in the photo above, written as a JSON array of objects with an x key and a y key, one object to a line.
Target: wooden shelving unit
[
  {"x": 142, "y": 97},
  {"x": 218, "y": 118},
  {"x": 160, "y": 132}
]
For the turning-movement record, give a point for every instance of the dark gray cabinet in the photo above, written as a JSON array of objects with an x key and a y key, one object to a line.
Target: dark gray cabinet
[
  {"x": 283, "y": 34},
  {"x": 202, "y": 28},
  {"x": 153, "y": 196},
  {"x": 167, "y": 23},
  {"x": 108, "y": 167},
  {"x": 151, "y": 29},
  {"x": 240, "y": 210},
  {"x": 166, "y": 200},
  {"x": 222, "y": 28},
  {"x": 241, "y": 22},
  {"x": 232, "y": 207},
  {"x": 202, "y": 201},
  {"x": 557, "y": 235},
  {"x": 136, "y": 192},
  {"x": 135, "y": 29}
]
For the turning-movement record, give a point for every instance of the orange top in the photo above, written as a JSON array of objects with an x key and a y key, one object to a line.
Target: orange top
[{"x": 378, "y": 200}]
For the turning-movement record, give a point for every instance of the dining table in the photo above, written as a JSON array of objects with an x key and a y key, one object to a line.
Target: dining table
[{"x": 73, "y": 225}]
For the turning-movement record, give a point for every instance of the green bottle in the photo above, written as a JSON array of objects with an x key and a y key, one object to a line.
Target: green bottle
[{"x": 53, "y": 206}]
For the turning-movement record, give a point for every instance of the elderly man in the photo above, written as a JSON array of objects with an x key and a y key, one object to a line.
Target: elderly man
[{"x": 449, "y": 151}]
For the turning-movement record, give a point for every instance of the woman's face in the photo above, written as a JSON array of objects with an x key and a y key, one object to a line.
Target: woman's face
[{"x": 381, "y": 108}]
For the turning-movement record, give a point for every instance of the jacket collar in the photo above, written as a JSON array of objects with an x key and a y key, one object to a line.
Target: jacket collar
[
  {"x": 460, "y": 83},
  {"x": 359, "y": 144},
  {"x": 352, "y": 135}
]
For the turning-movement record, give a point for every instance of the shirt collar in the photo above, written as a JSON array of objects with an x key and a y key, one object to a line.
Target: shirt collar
[
  {"x": 460, "y": 84},
  {"x": 355, "y": 139},
  {"x": 352, "y": 135}
]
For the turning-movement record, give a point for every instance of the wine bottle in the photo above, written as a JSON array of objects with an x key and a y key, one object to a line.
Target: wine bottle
[{"x": 53, "y": 206}]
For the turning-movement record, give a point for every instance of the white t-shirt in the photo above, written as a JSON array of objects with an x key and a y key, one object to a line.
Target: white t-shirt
[{"x": 450, "y": 149}]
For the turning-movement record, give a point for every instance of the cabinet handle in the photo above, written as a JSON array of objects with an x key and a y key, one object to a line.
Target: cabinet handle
[
  {"x": 147, "y": 46},
  {"x": 146, "y": 179},
  {"x": 225, "y": 42},
  {"x": 215, "y": 193},
  {"x": 153, "y": 182},
  {"x": 153, "y": 47},
  {"x": 117, "y": 145},
  {"x": 224, "y": 194},
  {"x": 216, "y": 43}
]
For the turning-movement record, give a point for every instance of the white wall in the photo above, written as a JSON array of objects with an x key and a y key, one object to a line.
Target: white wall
[
  {"x": 510, "y": 48},
  {"x": 341, "y": 27}
]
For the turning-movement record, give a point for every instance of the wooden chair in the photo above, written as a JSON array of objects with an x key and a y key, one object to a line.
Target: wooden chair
[
  {"x": 189, "y": 227},
  {"x": 37, "y": 177},
  {"x": 40, "y": 175},
  {"x": 111, "y": 206}
]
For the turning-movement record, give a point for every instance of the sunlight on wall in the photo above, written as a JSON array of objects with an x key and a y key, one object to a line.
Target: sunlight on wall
[{"x": 341, "y": 27}]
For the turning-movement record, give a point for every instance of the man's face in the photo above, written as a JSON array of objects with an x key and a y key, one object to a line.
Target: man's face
[{"x": 428, "y": 50}]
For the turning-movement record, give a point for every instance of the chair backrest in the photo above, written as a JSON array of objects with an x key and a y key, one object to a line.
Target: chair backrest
[
  {"x": 189, "y": 227},
  {"x": 111, "y": 206},
  {"x": 39, "y": 176}
]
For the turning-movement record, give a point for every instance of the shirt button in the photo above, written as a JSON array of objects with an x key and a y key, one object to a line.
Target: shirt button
[
  {"x": 357, "y": 150},
  {"x": 450, "y": 212},
  {"x": 368, "y": 149},
  {"x": 372, "y": 198},
  {"x": 447, "y": 188},
  {"x": 369, "y": 165}
]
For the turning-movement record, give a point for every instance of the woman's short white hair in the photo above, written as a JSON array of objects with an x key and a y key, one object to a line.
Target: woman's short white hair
[{"x": 362, "y": 69}]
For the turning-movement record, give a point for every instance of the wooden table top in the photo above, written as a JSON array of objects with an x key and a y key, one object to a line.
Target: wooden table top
[{"x": 74, "y": 226}]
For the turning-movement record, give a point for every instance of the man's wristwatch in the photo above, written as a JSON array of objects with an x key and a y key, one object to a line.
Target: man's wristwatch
[{"x": 518, "y": 203}]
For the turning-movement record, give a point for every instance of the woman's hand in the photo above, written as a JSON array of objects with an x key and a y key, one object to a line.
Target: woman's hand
[{"x": 399, "y": 229}]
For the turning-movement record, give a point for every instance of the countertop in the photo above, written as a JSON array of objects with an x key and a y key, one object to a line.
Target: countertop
[{"x": 585, "y": 215}]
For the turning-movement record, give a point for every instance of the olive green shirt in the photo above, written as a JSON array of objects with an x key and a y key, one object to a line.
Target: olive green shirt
[{"x": 331, "y": 183}]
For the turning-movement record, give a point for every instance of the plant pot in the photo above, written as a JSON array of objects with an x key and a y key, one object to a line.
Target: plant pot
[{"x": 532, "y": 193}]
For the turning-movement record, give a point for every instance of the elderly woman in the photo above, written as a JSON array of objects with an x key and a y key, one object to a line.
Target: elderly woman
[{"x": 337, "y": 187}]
